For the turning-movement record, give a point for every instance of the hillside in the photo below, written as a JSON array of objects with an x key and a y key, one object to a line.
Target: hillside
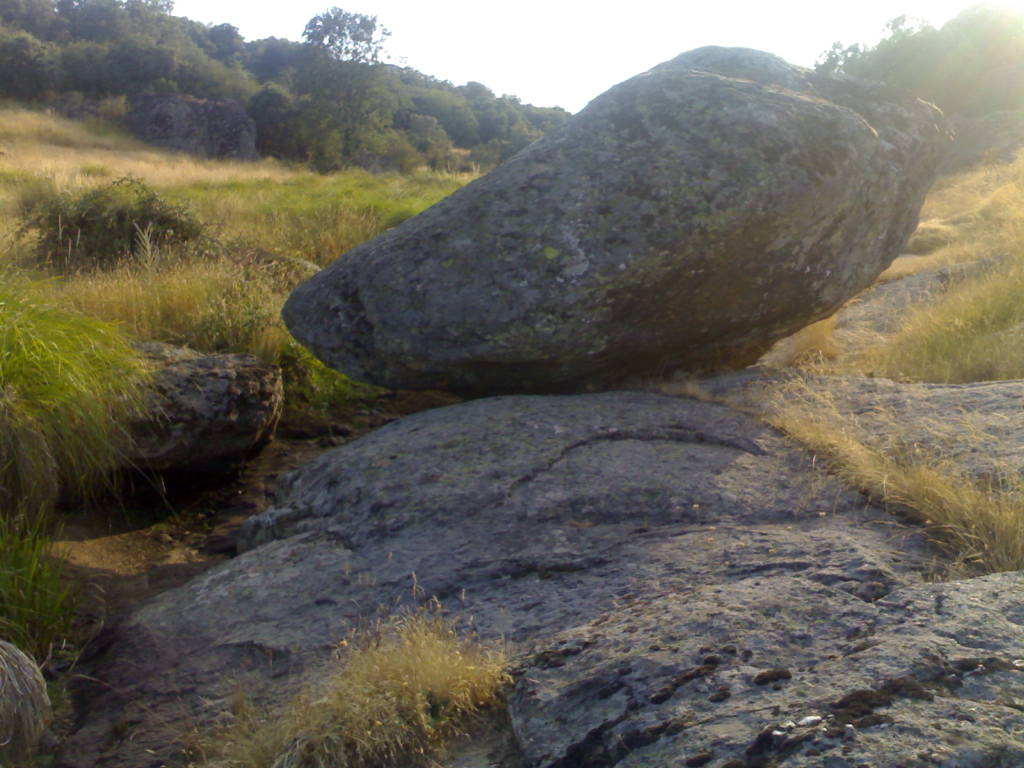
[{"x": 310, "y": 103}]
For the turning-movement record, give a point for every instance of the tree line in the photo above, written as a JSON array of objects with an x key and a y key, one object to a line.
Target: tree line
[
  {"x": 330, "y": 100},
  {"x": 971, "y": 66}
]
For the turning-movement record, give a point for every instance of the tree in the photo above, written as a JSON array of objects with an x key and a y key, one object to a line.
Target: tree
[
  {"x": 344, "y": 80},
  {"x": 347, "y": 36},
  {"x": 30, "y": 66},
  {"x": 351, "y": 98}
]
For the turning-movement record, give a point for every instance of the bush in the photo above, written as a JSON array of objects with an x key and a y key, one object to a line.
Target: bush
[{"x": 107, "y": 225}]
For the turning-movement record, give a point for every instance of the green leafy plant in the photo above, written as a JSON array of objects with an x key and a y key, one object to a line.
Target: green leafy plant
[{"x": 107, "y": 225}]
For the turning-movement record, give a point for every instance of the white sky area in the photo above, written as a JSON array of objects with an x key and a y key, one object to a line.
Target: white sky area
[{"x": 564, "y": 53}]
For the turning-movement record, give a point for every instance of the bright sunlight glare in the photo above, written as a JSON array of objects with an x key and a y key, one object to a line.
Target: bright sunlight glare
[{"x": 565, "y": 53}]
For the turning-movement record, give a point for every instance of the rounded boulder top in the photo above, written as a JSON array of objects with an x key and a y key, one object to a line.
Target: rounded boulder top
[{"x": 684, "y": 220}]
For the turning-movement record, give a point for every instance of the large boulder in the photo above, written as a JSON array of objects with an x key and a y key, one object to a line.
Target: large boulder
[
  {"x": 204, "y": 413},
  {"x": 209, "y": 128},
  {"x": 687, "y": 218},
  {"x": 678, "y": 584}
]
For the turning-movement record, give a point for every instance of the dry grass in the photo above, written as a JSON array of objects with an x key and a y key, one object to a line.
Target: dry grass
[
  {"x": 973, "y": 333},
  {"x": 809, "y": 345},
  {"x": 24, "y": 705},
  {"x": 208, "y": 305},
  {"x": 979, "y": 523},
  {"x": 394, "y": 701}
]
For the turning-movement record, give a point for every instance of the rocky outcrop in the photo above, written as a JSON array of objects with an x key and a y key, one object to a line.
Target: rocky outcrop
[
  {"x": 687, "y": 218},
  {"x": 206, "y": 413},
  {"x": 210, "y": 128},
  {"x": 678, "y": 584}
]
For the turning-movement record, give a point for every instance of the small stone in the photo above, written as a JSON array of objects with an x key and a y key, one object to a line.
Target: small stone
[
  {"x": 771, "y": 675},
  {"x": 810, "y": 720},
  {"x": 849, "y": 732},
  {"x": 702, "y": 759}
]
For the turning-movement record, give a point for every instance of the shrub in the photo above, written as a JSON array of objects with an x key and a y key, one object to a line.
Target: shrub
[
  {"x": 393, "y": 703},
  {"x": 106, "y": 225},
  {"x": 24, "y": 705}
]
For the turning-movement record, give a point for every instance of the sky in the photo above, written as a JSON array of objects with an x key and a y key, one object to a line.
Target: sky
[{"x": 563, "y": 52}]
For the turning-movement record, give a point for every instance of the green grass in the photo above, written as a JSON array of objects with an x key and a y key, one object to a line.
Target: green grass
[
  {"x": 66, "y": 383},
  {"x": 37, "y": 603},
  {"x": 316, "y": 218},
  {"x": 392, "y": 701}
]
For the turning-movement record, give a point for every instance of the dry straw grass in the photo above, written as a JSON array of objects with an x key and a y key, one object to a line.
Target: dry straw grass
[
  {"x": 24, "y": 705},
  {"x": 394, "y": 702},
  {"x": 974, "y": 332},
  {"x": 978, "y": 522}
]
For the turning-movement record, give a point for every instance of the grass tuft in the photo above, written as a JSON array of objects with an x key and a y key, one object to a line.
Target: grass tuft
[
  {"x": 66, "y": 382},
  {"x": 37, "y": 603},
  {"x": 394, "y": 701}
]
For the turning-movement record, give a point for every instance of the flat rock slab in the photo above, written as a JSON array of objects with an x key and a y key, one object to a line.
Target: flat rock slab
[
  {"x": 686, "y": 219},
  {"x": 975, "y": 428},
  {"x": 676, "y": 581}
]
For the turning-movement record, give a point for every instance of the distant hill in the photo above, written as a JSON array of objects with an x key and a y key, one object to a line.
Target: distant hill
[{"x": 309, "y": 105}]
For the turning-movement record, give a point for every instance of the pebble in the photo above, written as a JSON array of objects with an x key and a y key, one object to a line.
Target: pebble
[{"x": 810, "y": 720}]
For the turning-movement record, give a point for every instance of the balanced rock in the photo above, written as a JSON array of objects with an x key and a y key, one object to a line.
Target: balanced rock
[
  {"x": 687, "y": 218},
  {"x": 206, "y": 413}
]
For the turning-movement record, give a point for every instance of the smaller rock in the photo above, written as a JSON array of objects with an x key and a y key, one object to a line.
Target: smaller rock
[
  {"x": 24, "y": 705},
  {"x": 207, "y": 413},
  {"x": 772, "y": 675},
  {"x": 702, "y": 759}
]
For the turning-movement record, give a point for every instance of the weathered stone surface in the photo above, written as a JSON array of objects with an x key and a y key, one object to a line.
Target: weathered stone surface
[
  {"x": 674, "y": 579},
  {"x": 207, "y": 413},
  {"x": 687, "y": 218},
  {"x": 209, "y": 128}
]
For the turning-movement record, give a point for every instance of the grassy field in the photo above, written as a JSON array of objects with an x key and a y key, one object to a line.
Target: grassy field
[{"x": 67, "y": 370}]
